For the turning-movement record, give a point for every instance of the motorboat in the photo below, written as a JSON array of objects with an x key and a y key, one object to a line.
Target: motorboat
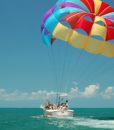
[
  {"x": 59, "y": 113},
  {"x": 58, "y": 110}
]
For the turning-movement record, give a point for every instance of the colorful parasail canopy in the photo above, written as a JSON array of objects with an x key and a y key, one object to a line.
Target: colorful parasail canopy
[{"x": 94, "y": 17}]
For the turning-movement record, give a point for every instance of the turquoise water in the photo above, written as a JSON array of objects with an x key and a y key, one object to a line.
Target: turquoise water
[{"x": 32, "y": 119}]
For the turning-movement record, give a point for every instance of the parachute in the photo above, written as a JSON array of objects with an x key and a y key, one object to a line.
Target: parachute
[{"x": 94, "y": 17}]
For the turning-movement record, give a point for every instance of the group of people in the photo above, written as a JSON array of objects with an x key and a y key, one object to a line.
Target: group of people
[{"x": 59, "y": 105}]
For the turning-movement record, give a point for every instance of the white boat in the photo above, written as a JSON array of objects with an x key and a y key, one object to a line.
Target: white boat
[
  {"x": 58, "y": 113},
  {"x": 58, "y": 110}
]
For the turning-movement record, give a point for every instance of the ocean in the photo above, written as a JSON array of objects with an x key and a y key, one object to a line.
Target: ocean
[{"x": 32, "y": 119}]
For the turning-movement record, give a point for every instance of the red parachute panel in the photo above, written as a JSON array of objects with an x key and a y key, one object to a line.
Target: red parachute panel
[
  {"x": 110, "y": 34},
  {"x": 105, "y": 8},
  {"x": 89, "y": 4},
  {"x": 73, "y": 18},
  {"x": 109, "y": 23},
  {"x": 84, "y": 24}
]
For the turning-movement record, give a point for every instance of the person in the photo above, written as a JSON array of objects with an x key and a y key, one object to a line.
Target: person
[
  {"x": 58, "y": 105},
  {"x": 49, "y": 105},
  {"x": 66, "y": 104}
]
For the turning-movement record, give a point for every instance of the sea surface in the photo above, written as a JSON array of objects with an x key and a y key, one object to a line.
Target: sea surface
[{"x": 32, "y": 119}]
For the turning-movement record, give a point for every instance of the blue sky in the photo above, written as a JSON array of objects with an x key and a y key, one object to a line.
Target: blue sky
[{"x": 27, "y": 65}]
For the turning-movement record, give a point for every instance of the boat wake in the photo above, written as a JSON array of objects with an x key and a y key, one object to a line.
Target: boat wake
[
  {"x": 77, "y": 122},
  {"x": 84, "y": 122},
  {"x": 38, "y": 117}
]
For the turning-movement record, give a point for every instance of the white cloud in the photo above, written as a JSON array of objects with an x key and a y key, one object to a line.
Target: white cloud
[
  {"x": 74, "y": 92},
  {"x": 89, "y": 92},
  {"x": 108, "y": 93},
  {"x": 17, "y": 95}
]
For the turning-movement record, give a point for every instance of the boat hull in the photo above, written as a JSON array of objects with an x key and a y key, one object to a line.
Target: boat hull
[{"x": 59, "y": 113}]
